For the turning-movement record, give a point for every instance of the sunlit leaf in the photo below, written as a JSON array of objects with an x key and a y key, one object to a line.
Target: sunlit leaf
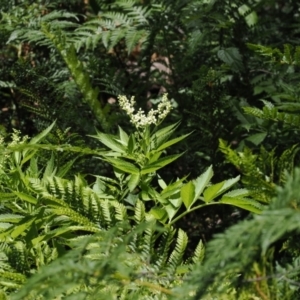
[{"x": 187, "y": 194}]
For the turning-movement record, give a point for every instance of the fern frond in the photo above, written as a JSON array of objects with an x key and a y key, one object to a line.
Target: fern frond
[
  {"x": 113, "y": 26},
  {"x": 74, "y": 216},
  {"x": 148, "y": 240},
  {"x": 139, "y": 212},
  {"x": 286, "y": 163},
  {"x": 15, "y": 277},
  {"x": 272, "y": 113},
  {"x": 76, "y": 68},
  {"x": 120, "y": 211},
  {"x": 176, "y": 257},
  {"x": 199, "y": 253},
  {"x": 18, "y": 257},
  {"x": 106, "y": 213},
  {"x": 164, "y": 246}
]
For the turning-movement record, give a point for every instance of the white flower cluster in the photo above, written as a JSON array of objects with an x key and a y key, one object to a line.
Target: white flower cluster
[
  {"x": 16, "y": 138},
  {"x": 4, "y": 152},
  {"x": 140, "y": 119}
]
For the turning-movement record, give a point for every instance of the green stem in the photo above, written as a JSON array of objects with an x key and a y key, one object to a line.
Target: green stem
[{"x": 80, "y": 76}]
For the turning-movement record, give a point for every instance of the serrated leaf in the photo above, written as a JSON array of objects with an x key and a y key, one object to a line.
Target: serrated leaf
[
  {"x": 232, "y": 57},
  {"x": 26, "y": 197},
  {"x": 171, "y": 211},
  {"x": 202, "y": 181},
  {"x": 212, "y": 191},
  {"x": 27, "y": 157},
  {"x": 61, "y": 231},
  {"x": 216, "y": 190},
  {"x": 172, "y": 142},
  {"x": 154, "y": 157},
  {"x": 40, "y": 136},
  {"x": 49, "y": 171},
  {"x": 176, "y": 202},
  {"x": 159, "y": 214},
  {"x": 173, "y": 188},
  {"x": 131, "y": 144},
  {"x": 7, "y": 196},
  {"x": 109, "y": 141},
  {"x": 160, "y": 163},
  {"x": 162, "y": 135},
  {"x": 228, "y": 184},
  {"x": 11, "y": 218},
  {"x": 64, "y": 169},
  {"x": 19, "y": 228},
  {"x": 247, "y": 204},
  {"x": 250, "y": 16},
  {"x": 199, "y": 253},
  {"x": 238, "y": 193},
  {"x": 188, "y": 194},
  {"x": 154, "y": 195},
  {"x": 133, "y": 181},
  {"x": 124, "y": 166}
]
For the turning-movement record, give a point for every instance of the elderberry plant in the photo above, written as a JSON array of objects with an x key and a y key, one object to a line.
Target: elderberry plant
[{"x": 136, "y": 159}]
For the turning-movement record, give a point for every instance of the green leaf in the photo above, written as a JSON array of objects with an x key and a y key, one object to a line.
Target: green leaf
[
  {"x": 154, "y": 157},
  {"x": 257, "y": 138},
  {"x": 176, "y": 202},
  {"x": 145, "y": 195},
  {"x": 212, "y": 192},
  {"x": 161, "y": 182},
  {"x": 22, "y": 227},
  {"x": 159, "y": 214},
  {"x": 133, "y": 181},
  {"x": 7, "y": 197},
  {"x": 27, "y": 157},
  {"x": 188, "y": 194},
  {"x": 124, "y": 166},
  {"x": 238, "y": 193},
  {"x": 250, "y": 16},
  {"x": 19, "y": 228},
  {"x": 159, "y": 163},
  {"x": 50, "y": 234},
  {"x": 49, "y": 171},
  {"x": 162, "y": 135},
  {"x": 202, "y": 181},
  {"x": 26, "y": 197},
  {"x": 153, "y": 194},
  {"x": 173, "y": 188},
  {"x": 247, "y": 204},
  {"x": 131, "y": 144},
  {"x": 63, "y": 170},
  {"x": 216, "y": 190},
  {"x": 172, "y": 142},
  {"x": 228, "y": 184},
  {"x": 109, "y": 141},
  {"x": 232, "y": 57},
  {"x": 123, "y": 136},
  {"x": 11, "y": 218},
  {"x": 62, "y": 231},
  {"x": 171, "y": 211},
  {"x": 146, "y": 139},
  {"x": 40, "y": 136}
]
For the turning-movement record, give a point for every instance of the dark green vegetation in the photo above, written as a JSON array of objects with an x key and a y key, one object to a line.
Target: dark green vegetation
[{"x": 200, "y": 202}]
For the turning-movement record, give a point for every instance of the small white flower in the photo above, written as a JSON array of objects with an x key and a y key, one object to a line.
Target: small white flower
[{"x": 140, "y": 119}]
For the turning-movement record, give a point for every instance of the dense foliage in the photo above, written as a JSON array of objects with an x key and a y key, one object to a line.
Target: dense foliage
[{"x": 149, "y": 149}]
